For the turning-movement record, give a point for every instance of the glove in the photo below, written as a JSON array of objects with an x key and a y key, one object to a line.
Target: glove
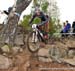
[{"x": 37, "y": 26}]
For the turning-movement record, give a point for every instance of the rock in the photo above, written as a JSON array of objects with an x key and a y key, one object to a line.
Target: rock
[
  {"x": 63, "y": 52},
  {"x": 15, "y": 49},
  {"x": 71, "y": 53},
  {"x": 26, "y": 65},
  {"x": 74, "y": 57},
  {"x": 54, "y": 52},
  {"x": 43, "y": 54},
  {"x": 69, "y": 61},
  {"x": 70, "y": 43},
  {"x": 19, "y": 59},
  {"x": 43, "y": 59},
  {"x": 21, "y": 50},
  {"x": 61, "y": 45},
  {"x": 5, "y": 48},
  {"x": 5, "y": 63},
  {"x": 19, "y": 40},
  {"x": 15, "y": 69},
  {"x": 49, "y": 46}
]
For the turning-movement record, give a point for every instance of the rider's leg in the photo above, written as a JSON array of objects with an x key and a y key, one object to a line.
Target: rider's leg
[
  {"x": 34, "y": 37},
  {"x": 46, "y": 27}
]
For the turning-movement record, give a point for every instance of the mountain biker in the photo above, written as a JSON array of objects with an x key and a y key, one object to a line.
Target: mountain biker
[{"x": 44, "y": 19}]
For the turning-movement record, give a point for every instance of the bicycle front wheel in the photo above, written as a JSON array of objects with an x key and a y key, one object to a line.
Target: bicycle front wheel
[{"x": 33, "y": 42}]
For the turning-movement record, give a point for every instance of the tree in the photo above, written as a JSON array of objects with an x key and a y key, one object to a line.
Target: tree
[
  {"x": 49, "y": 7},
  {"x": 21, "y": 5},
  {"x": 13, "y": 19},
  {"x": 43, "y": 4},
  {"x": 53, "y": 10}
]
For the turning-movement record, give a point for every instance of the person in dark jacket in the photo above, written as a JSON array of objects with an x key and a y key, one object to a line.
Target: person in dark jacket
[
  {"x": 66, "y": 29},
  {"x": 73, "y": 26},
  {"x": 62, "y": 31},
  {"x": 42, "y": 16}
]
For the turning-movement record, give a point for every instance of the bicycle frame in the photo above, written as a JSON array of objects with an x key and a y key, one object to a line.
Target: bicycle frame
[{"x": 37, "y": 35}]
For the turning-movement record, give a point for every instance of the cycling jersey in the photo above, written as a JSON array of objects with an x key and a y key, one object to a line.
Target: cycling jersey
[{"x": 43, "y": 18}]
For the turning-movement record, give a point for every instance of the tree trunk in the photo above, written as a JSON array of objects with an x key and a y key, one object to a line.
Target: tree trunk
[
  {"x": 13, "y": 19},
  {"x": 21, "y": 5}
]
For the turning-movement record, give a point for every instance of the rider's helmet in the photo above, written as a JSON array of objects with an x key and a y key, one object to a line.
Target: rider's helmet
[{"x": 37, "y": 11}]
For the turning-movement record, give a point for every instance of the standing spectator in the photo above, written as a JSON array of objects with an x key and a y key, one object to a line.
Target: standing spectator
[
  {"x": 73, "y": 26},
  {"x": 62, "y": 31},
  {"x": 64, "y": 24},
  {"x": 66, "y": 29}
]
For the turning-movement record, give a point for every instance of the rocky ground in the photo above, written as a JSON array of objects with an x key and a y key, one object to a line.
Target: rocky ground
[
  {"x": 26, "y": 61},
  {"x": 52, "y": 57}
]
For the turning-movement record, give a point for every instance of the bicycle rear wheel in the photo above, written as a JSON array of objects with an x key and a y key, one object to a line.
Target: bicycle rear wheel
[{"x": 33, "y": 43}]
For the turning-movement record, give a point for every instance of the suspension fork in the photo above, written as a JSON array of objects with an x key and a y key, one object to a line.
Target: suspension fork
[
  {"x": 34, "y": 36},
  {"x": 40, "y": 36}
]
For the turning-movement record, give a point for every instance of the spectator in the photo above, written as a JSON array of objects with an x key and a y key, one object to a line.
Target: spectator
[
  {"x": 66, "y": 29},
  {"x": 64, "y": 25},
  {"x": 73, "y": 26}
]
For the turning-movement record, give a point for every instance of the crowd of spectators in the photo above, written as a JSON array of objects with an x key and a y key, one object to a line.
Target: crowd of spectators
[{"x": 68, "y": 29}]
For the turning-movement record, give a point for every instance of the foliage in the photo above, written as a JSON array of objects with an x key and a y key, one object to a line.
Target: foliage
[
  {"x": 25, "y": 22},
  {"x": 53, "y": 28},
  {"x": 36, "y": 20},
  {"x": 44, "y": 6},
  {"x": 35, "y": 2}
]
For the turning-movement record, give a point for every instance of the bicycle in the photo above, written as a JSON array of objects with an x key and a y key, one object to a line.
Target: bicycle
[{"x": 35, "y": 38}]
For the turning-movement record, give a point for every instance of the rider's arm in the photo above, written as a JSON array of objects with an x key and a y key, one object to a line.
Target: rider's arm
[
  {"x": 32, "y": 19},
  {"x": 44, "y": 22}
]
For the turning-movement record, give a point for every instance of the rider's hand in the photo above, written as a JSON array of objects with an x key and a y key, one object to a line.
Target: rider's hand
[{"x": 37, "y": 26}]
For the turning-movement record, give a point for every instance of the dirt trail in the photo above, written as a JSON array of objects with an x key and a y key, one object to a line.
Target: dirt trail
[{"x": 26, "y": 61}]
